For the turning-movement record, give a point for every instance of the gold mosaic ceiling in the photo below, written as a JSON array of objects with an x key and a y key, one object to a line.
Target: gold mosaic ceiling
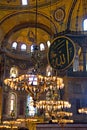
[
  {"x": 53, "y": 18},
  {"x": 31, "y": 3}
]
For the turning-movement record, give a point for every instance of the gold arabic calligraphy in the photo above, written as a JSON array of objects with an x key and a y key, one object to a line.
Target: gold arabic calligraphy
[{"x": 61, "y": 54}]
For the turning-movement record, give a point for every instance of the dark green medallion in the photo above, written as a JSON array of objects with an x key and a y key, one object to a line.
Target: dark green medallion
[{"x": 61, "y": 53}]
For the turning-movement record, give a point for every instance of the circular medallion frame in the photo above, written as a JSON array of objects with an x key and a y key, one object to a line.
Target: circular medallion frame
[
  {"x": 61, "y": 53},
  {"x": 59, "y": 14}
]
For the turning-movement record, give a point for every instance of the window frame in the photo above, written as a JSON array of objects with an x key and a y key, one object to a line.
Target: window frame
[{"x": 85, "y": 28}]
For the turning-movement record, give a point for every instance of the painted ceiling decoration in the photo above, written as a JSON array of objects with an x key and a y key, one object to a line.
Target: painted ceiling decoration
[
  {"x": 17, "y": 4},
  {"x": 56, "y": 18}
]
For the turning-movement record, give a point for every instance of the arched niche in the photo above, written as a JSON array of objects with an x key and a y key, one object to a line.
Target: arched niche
[{"x": 23, "y": 19}]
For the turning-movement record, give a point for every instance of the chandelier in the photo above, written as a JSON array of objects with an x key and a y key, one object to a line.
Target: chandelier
[
  {"x": 56, "y": 110},
  {"x": 53, "y": 105},
  {"x": 12, "y": 122},
  {"x": 34, "y": 84},
  {"x": 63, "y": 117},
  {"x": 82, "y": 110},
  {"x": 27, "y": 80},
  {"x": 6, "y": 126}
]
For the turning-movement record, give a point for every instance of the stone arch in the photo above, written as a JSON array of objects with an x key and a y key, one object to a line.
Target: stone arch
[{"x": 22, "y": 19}]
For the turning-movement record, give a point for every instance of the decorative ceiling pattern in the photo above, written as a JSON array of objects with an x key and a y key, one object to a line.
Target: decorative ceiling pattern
[
  {"x": 23, "y": 36},
  {"x": 16, "y": 4},
  {"x": 55, "y": 17}
]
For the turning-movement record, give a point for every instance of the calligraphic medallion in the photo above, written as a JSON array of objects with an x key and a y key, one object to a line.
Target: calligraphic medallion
[
  {"x": 59, "y": 14},
  {"x": 61, "y": 53}
]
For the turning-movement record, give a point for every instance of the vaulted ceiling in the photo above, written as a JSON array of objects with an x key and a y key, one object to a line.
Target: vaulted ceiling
[{"x": 54, "y": 17}]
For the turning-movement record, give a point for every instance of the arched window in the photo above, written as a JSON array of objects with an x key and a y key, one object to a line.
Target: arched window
[
  {"x": 76, "y": 63},
  {"x": 30, "y": 110},
  {"x": 13, "y": 105},
  {"x": 48, "y": 44},
  {"x": 24, "y": 2},
  {"x": 49, "y": 70},
  {"x": 14, "y": 45},
  {"x": 13, "y": 72},
  {"x": 85, "y": 24},
  {"x": 23, "y": 47},
  {"x": 34, "y": 47},
  {"x": 42, "y": 47}
]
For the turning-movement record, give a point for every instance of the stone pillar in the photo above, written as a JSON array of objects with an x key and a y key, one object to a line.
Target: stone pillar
[{"x": 84, "y": 48}]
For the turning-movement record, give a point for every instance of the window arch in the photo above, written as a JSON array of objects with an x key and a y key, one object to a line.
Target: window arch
[
  {"x": 30, "y": 110},
  {"x": 78, "y": 60},
  {"x": 49, "y": 70},
  {"x": 48, "y": 43},
  {"x": 42, "y": 47},
  {"x": 23, "y": 47},
  {"x": 24, "y": 2},
  {"x": 13, "y": 72},
  {"x": 14, "y": 45},
  {"x": 34, "y": 47},
  {"x": 13, "y": 103},
  {"x": 85, "y": 24}
]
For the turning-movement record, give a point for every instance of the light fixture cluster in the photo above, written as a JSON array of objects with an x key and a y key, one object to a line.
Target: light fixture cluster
[
  {"x": 82, "y": 110},
  {"x": 12, "y": 123},
  {"x": 34, "y": 84},
  {"x": 54, "y": 109},
  {"x": 28, "y": 80},
  {"x": 50, "y": 105},
  {"x": 63, "y": 122},
  {"x": 7, "y": 126}
]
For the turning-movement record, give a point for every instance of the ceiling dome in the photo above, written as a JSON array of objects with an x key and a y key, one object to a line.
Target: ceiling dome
[
  {"x": 58, "y": 17},
  {"x": 78, "y": 14}
]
